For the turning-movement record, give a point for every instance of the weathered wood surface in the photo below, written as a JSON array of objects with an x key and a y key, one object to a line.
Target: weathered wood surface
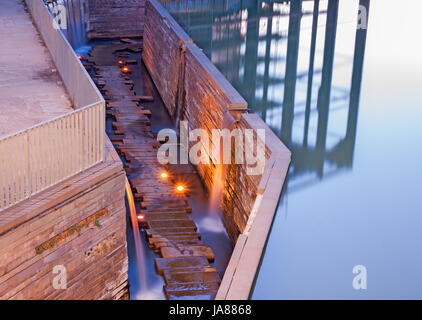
[
  {"x": 163, "y": 53},
  {"x": 203, "y": 96},
  {"x": 110, "y": 19},
  {"x": 60, "y": 220},
  {"x": 199, "y": 89},
  {"x": 170, "y": 230},
  {"x": 208, "y": 100}
]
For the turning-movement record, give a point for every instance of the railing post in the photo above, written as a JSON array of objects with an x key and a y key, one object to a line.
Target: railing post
[
  {"x": 102, "y": 130},
  {"x": 2, "y": 184}
]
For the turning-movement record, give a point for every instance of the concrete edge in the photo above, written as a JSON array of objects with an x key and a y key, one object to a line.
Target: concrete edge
[
  {"x": 172, "y": 24},
  {"x": 243, "y": 266},
  {"x": 231, "y": 268}
]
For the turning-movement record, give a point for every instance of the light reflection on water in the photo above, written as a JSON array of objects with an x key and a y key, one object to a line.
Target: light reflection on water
[{"x": 352, "y": 194}]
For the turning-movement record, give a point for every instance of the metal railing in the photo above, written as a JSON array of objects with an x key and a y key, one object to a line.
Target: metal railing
[
  {"x": 41, "y": 156},
  {"x": 44, "y": 155}
]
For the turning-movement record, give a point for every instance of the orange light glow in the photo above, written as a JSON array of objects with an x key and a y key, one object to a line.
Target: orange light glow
[
  {"x": 120, "y": 62},
  {"x": 180, "y": 188},
  {"x": 141, "y": 217},
  {"x": 125, "y": 69},
  {"x": 164, "y": 175},
  {"x": 79, "y": 57}
]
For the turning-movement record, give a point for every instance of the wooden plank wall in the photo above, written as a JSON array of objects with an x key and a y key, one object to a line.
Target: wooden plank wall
[
  {"x": 207, "y": 101},
  {"x": 80, "y": 224},
  {"x": 241, "y": 188},
  {"x": 109, "y": 19},
  {"x": 244, "y": 263},
  {"x": 162, "y": 54},
  {"x": 185, "y": 77},
  {"x": 210, "y": 102}
]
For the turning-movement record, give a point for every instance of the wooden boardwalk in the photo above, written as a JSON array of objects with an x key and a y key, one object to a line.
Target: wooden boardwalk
[{"x": 184, "y": 261}]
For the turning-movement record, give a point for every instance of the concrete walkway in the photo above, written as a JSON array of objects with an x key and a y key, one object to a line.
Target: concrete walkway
[{"x": 31, "y": 90}]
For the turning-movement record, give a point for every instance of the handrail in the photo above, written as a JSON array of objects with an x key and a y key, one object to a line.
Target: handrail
[{"x": 44, "y": 155}]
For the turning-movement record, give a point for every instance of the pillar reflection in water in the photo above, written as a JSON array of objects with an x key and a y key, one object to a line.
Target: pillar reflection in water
[{"x": 280, "y": 55}]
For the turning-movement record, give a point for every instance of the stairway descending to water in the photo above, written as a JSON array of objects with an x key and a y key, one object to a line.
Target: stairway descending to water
[{"x": 184, "y": 262}]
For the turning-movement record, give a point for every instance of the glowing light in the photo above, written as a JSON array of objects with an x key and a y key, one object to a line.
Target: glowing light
[
  {"x": 125, "y": 69},
  {"x": 79, "y": 57},
  {"x": 180, "y": 188},
  {"x": 141, "y": 217},
  {"x": 164, "y": 175},
  {"x": 120, "y": 62}
]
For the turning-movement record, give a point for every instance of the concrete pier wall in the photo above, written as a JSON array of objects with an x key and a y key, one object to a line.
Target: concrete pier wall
[{"x": 194, "y": 90}]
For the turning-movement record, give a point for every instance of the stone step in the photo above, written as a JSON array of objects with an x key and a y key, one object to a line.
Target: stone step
[
  {"x": 152, "y": 233},
  {"x": 181, "y": 211},
  {"x": 187, "y": 251},
  {"x": 162, "y": 264},
  {"x": 170, "y": 224},
  {"x": 166, "y": 216},
  {"x": 174, "y": 230},
  {"x": 167, "y": 202},
  {"x": 174, "y": 238},
  {"x": 191, "y": 290},
  {"x": 159, "y": 208},
  {"x": 181, "y": 208},
  {"x": 172, "y": 276},
  {"x": 191, "y": 295},
  {"x": 192, "y": 286},
  {"x": 159, "y": 244}
]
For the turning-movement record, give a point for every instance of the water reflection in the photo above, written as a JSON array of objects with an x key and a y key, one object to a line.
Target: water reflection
[
  {"x": 280, "y": 56},
  {"x": 299, "y": 65}
]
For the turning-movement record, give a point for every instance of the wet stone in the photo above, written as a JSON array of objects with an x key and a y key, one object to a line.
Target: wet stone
[
  {"x": 177, "y": 277},
  {"x": 204, "y": 290},
  {"x": 184, "y": 262},
  {"x": 170, "y": 224},
  {"x": 189, "y": 251}
]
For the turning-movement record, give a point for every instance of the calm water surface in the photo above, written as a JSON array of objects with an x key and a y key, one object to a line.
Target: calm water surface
[{"x": 349, "y": 107}]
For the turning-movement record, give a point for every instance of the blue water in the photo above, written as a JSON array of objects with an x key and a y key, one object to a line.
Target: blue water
[{"x": 353, "y": 192}]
